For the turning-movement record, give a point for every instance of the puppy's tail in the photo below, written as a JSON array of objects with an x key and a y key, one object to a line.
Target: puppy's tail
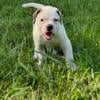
[{"x": 34, "y": 5}]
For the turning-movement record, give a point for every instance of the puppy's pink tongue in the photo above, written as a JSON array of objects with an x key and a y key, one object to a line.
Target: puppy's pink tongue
[{"x": 48, "y": 34}]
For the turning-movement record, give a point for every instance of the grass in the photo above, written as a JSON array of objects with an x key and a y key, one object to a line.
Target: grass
[{"x": 22, "y": 79}]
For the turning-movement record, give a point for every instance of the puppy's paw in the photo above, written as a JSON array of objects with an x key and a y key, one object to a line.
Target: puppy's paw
[
  {"x": 39, "y": 63},
  {"x": 72, "y": 65},
  {"x": 35, "y": 56}
]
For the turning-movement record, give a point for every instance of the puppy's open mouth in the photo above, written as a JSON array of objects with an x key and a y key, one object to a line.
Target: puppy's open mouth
[{"x": 48, "y": 35}]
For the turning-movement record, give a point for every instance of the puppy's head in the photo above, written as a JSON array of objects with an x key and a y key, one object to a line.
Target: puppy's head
[{"x": 47, "y": 18}]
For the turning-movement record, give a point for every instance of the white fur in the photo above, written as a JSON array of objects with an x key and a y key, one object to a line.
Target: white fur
[
  {"x": 35, "y": 5},
  {"x": 48, "y": 13}
]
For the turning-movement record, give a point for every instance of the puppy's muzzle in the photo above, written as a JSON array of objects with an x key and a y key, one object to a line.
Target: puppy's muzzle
[
  {"x": 49, "y": 34},
  {"x": 49, "y": 27}
]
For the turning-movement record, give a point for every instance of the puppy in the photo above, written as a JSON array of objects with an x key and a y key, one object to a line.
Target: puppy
[{"x": 48, "y": 30}]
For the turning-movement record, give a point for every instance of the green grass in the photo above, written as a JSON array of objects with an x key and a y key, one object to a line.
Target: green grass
[{"x": 22, "y": 79}]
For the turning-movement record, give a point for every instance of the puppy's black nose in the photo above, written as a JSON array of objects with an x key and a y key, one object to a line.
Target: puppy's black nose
[{"x": 49, "y": 27}]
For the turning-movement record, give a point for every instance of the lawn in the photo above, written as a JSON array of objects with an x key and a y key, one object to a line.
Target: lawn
[{"x": 22, "y": 79}]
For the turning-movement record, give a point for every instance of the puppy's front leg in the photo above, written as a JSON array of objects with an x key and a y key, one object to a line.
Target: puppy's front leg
[
  {"x": 67, "y": 49},
  {"x": 38, "y": 53}
]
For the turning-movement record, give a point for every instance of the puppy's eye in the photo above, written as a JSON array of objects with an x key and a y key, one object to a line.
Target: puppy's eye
[
  {"x": 56, "y": 20},
  {"x": 41, "y": 20}
]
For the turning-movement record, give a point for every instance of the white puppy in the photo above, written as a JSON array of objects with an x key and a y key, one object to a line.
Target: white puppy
[{"x": 48, "y": 29}]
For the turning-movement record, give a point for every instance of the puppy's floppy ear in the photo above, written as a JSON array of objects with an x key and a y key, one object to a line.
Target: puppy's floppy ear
[
  {"x": 35, "y": 14},
  {"x": 59, "y": 13}
]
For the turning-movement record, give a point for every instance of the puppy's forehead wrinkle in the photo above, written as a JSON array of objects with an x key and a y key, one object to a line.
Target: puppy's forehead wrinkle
[
  {"x": 48, "y": 13},
  {"x": 49, "y": 9}
]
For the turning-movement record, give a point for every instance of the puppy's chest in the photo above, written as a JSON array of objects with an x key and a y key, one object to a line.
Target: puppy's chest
[{"x": 52, "y": 48}]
